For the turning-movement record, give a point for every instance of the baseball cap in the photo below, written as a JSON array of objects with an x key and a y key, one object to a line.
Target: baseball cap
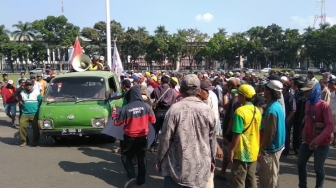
[
  {"x": 205, "y": 86},
  {"x": 28, "y": 82},
  {"x": 39, "y": 75},
  {"x": 300, "y": 79},
  {"x": 154, "y": 78},
  {"x": 275, "y": 85},
  {"x": 310, "y": 85},
  {"x": 175, "y": 79},
  {"x": 190, "y": 81},
  {"x": 143, "y": 90},
  {"x": 234, "y": 91},
  {"x": 147, "y": 73},
  {"x": 10, "y": 82},
  {"x": 332, "y": 80},
  {"x": 101, "y": 58},
  {"x": 246, "y": 90}
]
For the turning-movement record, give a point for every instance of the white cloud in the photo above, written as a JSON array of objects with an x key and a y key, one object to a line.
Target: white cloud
[
  {"x": 309, "y": 21},
  {"x": 205, "y": 17}
]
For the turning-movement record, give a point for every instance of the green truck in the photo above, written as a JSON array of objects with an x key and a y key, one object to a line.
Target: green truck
[{"x": 76, "y": 104}]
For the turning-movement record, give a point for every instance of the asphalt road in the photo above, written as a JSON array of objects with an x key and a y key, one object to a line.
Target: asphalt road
[{"x": 89, "y": 163}]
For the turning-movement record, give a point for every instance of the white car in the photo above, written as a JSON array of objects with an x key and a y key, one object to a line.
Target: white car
[
  {"x": 265, "y": 70},
  {"x": 313, "y": 69},
  {"x": 37, "y": 70}
]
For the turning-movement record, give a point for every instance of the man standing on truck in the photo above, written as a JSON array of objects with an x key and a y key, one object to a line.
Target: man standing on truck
[
  {"x": 135, "y": 115},
  {"x": 31, "y": 101}
]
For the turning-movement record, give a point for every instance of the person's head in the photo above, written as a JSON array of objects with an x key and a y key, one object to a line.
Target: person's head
[
  {"x": 102, "y": 60},
  {"x": 205, "y": 88},
  {"x": 31, "y": 74},
  {"x": 190, "y": 86},
  {"x": 126, "y": 85},
  {"x": 159, "y": 80},
  {"x": 173, "y": 82},
  {"x": 22, "y": 83},
  {"x": 332, "y": 84},
  {"x": 299, "y": 82},
  {"x": 200, "y": 76},
  {"x": 142, "y": 79},
  {"x": 312, "y": 92},
  {"x": 165, "y": 80},
  {"x": 233, "y": 83},
  {"x": 29, "y": 85},
  {"x": 95, "y": 59},
  {"x": 246, "y": 79},
  {"x": 260, "y": 103},
  {"x": 245, "y": 93},
  {"x": 323, "y": 83},
  {"x": 33, "y": 79},
  {"x": 286, "y": 86},
  {"x": 5, "y": 77},
  {"x": 310, "y": 74},
  {"x": 273, "y": 90},
  {"x": 22, "y": 74},
  {"x": 10, "y": 84},
  {"x": 217, "y": 81},
  {"x": 38, "y": 77},
  {"x": 147, "y": 74}
]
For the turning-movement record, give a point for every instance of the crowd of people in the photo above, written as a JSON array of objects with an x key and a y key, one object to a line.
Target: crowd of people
[
  {"x": 26, "y": 94},
  {"x": 254, "y": 114}
]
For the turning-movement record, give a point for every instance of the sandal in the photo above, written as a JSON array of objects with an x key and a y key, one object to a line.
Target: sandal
[{"x": 217, "y": 176}]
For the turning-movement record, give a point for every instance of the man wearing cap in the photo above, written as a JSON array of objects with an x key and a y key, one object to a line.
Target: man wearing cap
[
  {"x": 7, "y": 93},
  {"x": 180, "y": 164},
  {"x": 273, "y": 136},
  {"x": 300, "y": 101},
  {"x": 245, "y": 141},
  {"x": 167, "y": 98},
  {"x": 325, "y": 93},
  {"x": 230, "y": 107},
  {"x": 42, "y": 84},
  {"x": 332, "y": 88},
  {"x": 316, "y": 134},
  {"x": 31, "y": 100}
]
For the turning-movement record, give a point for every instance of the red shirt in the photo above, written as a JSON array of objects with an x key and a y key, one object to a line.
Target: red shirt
[
  {"x": 319, "y": 112},
  {"x": 7, "y": 94}
]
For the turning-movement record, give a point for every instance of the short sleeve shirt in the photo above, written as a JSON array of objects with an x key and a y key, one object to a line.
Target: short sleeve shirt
[{"x": 248, "y": 145}]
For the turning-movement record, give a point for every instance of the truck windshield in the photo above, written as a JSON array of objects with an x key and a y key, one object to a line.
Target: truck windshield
[{"x": 75, "y": 88}]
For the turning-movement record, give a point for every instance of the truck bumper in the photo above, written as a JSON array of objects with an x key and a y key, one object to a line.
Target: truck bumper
[{"x": 82, "y": 132}]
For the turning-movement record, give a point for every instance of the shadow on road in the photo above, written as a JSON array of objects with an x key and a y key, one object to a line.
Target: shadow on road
[
  {"x": 102, "y": 170},
  {"x": 15, "y": 140}
]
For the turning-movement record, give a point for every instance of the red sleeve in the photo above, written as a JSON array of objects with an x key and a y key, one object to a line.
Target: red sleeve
[
  {"x": 328, "y": 121},
  {"x": 151, "y": 118}
]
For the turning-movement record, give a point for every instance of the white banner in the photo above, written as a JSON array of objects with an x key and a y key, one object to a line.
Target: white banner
[{"x": 116, "y": 66}]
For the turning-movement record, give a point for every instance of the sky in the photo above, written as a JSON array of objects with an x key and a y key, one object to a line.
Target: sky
[{"x": 205, "y": 15}]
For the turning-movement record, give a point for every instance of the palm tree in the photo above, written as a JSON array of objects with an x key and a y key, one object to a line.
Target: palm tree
[
  {"x": 161, "y": 30},
  {"x": 24, "y": 33},
  {"x": 222, "y": 31},
  {"x": 3, "y": 30}
]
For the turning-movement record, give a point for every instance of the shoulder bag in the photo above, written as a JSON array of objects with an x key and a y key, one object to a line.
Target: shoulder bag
[{"x": 159, "y": 99}]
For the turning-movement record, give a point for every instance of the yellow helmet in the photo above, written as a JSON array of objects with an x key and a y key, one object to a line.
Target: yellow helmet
[
  {"x": 246, "y": 90},
  {"x": 154, "y": 78},
  {"x": 175, "y": 79}
]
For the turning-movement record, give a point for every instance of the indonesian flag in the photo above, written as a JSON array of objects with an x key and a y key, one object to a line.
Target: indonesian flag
[
  {"x": 117, "y": 66},
  {"x": 77, "y": 50}
]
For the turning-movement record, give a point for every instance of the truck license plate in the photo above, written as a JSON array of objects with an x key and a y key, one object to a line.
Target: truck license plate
[{"x": 71, "y": 131}]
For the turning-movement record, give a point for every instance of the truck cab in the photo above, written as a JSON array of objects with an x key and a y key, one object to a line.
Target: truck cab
[{"x": 76, "y": 104}]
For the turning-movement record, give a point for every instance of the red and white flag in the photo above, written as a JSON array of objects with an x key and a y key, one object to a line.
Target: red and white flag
[
  {"x": 77, "y": 50},
  {"x": 117, "y": 66}
]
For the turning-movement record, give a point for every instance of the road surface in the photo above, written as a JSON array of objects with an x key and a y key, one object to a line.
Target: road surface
[{"x": 88, "y": 163}]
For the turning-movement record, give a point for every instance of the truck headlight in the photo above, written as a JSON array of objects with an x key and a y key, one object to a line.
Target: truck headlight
[
  {"x": 47, "y": 124},
  {"x": 98, "y": 122}
]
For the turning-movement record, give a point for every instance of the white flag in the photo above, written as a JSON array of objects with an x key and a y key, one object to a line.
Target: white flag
[{"x": 117, "y": 66}]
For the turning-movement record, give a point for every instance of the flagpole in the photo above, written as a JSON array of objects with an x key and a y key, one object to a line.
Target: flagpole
[{"x": 108, "y": 33}]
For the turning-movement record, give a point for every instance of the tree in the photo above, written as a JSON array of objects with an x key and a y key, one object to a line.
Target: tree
[
  {"x": 177, "y": 48},
  {"x": 21, "y": 51},
  {"x": 57, "y": 32},
  {"x": 37, "y": 53},
  {"x": 24, "y": 33},
  {"x": 195, "y": 40}
]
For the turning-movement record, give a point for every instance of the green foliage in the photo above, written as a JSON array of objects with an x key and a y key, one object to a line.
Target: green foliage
[{"x": 24, "y": 33}]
